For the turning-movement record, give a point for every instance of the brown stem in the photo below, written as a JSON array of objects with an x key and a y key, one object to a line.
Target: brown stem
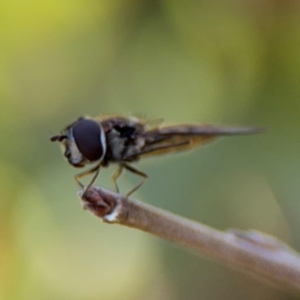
[{"x": 254, "y": 252}]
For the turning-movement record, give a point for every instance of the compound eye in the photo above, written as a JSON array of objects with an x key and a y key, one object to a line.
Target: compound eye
[{"x": 87, "y": 135}]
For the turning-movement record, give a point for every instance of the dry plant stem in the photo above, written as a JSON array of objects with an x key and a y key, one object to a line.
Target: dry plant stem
[{"x": 252, "y": 251}]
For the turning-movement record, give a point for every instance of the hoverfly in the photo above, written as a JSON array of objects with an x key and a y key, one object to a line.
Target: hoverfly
[{"x": 124, "y": 140}]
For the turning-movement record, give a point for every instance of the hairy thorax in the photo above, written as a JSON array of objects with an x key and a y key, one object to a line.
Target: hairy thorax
[{"x": 124, "y": 145}]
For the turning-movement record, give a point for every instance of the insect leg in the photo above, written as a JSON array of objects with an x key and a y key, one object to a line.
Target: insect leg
[
  {"x": 95, "y": 170},
  {"x": 137, "y": 172},
  {"x": 116, "y": 176}
]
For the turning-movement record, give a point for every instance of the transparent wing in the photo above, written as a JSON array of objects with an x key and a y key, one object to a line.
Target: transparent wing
[{"x": 184, "y": 137}]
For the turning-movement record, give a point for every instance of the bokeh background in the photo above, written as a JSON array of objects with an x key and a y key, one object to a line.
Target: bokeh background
[{"x": 226, "y": 62}]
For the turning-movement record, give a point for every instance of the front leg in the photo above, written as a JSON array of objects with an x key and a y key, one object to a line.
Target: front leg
[{"x": 95, "y": 170}]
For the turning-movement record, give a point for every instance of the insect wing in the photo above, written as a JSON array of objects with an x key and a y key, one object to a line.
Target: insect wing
[
  {"x": 184, "y": 137},
  {"x": 203, "y": 130}
]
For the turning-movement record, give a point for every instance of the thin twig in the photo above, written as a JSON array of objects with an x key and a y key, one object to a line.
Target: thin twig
[{"x": 253, "y": 252}]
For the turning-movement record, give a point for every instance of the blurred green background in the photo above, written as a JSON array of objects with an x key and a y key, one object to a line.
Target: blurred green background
[{"x": 234, "y": 62}]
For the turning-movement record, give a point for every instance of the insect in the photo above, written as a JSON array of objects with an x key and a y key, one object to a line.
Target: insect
[{"x": 124, "y": 140}]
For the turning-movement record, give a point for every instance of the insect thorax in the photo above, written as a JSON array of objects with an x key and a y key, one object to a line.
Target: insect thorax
[{"x": 123, "y": 148}]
